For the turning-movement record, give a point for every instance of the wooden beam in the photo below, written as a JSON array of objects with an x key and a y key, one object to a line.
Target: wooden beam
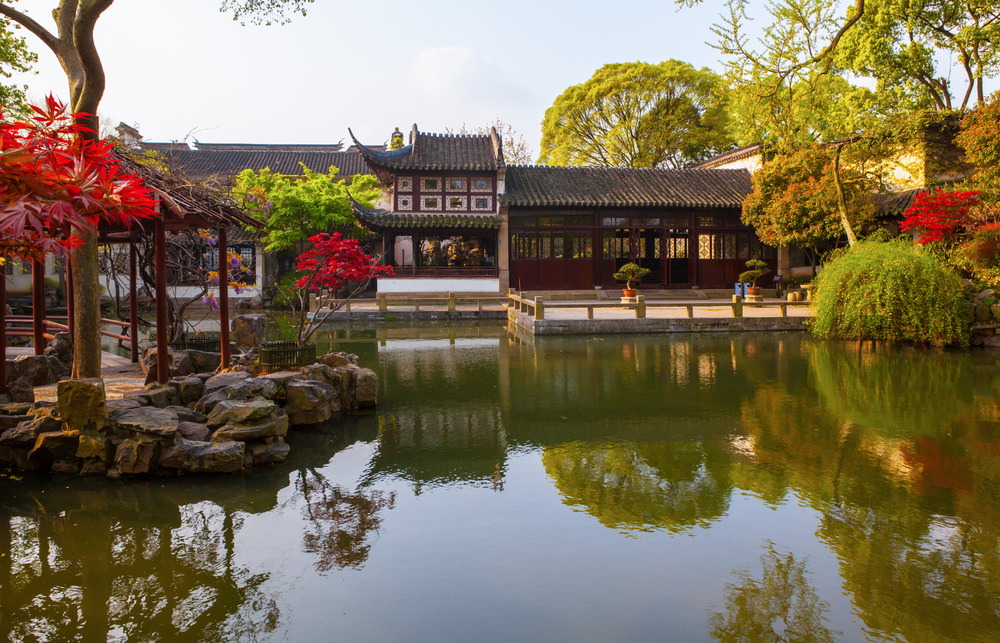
[
  {"x": 133, "y": 300},
  {"x": 38, "y": 304},
  {"x": 224, "y": 297},
  {"x": 160, "y": 275},
  {"x": 3, "y": 330}
]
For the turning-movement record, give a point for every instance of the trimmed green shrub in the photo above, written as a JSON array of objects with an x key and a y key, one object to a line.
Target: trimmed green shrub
[{"x": 892, "y": 292}]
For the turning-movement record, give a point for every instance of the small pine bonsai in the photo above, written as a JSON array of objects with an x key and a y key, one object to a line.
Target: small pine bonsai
[
  {"x": 757, "y": 269},
  {"x": 629, "y": 273}
]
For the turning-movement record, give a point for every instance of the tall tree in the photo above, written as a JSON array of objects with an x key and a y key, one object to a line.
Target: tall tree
[
  {"x": 638, "y": 115},
  {"x": 14, "y": 57},
  {"x": 515, "y": 149},
  {"x": 795, "y": 200},
  {"x": 72, "y": 42},
  {"x": 296, "y": 208}
]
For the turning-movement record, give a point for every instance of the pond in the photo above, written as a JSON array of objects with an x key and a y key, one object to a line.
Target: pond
[{"x": 630, "y": 488}]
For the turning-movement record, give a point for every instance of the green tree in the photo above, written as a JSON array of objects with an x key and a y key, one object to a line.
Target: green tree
[
  {"x": 980, "y": 138},
  {"x": 794, "y": 200},
  {"x": 638, "y": 115},
  {"x": 890, "y": 292},
  {"x": 295, "y": 208},
  {"x": 72, "y": 42},
  {"x": 14, "y": 57},
  {"x": 515, "y": 149}
]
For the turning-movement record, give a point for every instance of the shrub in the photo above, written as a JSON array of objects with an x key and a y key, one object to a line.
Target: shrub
[{"x": 892, "y": 292}]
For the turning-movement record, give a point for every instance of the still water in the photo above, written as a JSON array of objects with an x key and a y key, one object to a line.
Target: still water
[{"x": 681, "y": 488}]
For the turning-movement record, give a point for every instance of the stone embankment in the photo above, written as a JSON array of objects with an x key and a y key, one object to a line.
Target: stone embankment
[{"x": 195, "y": 423}]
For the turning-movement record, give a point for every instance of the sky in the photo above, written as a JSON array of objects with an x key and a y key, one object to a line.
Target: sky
[{"x": 181, "y": 70}]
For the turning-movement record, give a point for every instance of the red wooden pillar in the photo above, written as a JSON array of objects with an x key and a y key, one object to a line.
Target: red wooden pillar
[
  {"x": 70, "y": 304},
  {"x": 160, "y": 275},
  {"x": 3, "y": 328},
  {"x": 224, "y": 296},
  {"x": 38, "y": 304},
  {"x": 133, "y": 301}
]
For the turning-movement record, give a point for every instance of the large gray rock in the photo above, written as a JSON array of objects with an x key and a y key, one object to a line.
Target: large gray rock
[
  {"x": 271, "y": 427},
  {"x": 194, "y": 431},
  {"x": 52, "y": 446},
  {"x": 190, "y": 389},
  {"x": 240, "y": 411},
  {"x": 208, "y": 402},
  {"x": 366, "y": 388},
  {"x": 38, "y": 370},
  {"x": 269, "y": 452},
  {"x": 147, "y": 421},
  {"x": 204, "y": 457},
  {"x": 223, "y": 380},
  {"x": 136, "y": 456},
  {"x": 253, "y": 387},
  {"x": 81, "y": 404},
  {"x": 20, "y": 389},
  {"x": 184, "y": 414},
  {"x": 192, "y": 361},
  {"x": 338, "y": 359},
  {"x": 307, "y": 401},
  {"x": 248, "y": 330},
  {"x": 61, "y": 347},
  {"x": 123, "y": 403},
  {"x": 26, "y": 433}
]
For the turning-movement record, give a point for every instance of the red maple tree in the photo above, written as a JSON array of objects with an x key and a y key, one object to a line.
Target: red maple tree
[
  {"x": 52, "y": 180},
  {"x": 940, "y": 215},
  {"x": 333, "y": 262}
]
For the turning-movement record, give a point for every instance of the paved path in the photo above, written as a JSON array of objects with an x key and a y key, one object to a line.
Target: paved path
[{"x": 119, "y": 374}]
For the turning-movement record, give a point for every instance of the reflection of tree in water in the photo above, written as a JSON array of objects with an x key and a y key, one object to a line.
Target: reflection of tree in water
[
  {"x": 780, "y": 606},
  {"x": 890, "y": 390},
  {"x": 911, "y": 512},
  {"x": 80, "y": 573},
  {"x": 339, "y": 521},
  {"x": 626, "y": 485}
]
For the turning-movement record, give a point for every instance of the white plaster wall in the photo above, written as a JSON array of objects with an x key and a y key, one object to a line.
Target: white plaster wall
[{"x": 390, "y": 285}]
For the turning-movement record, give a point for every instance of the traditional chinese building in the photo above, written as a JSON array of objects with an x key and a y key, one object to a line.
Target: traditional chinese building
[{"x": 456, "y": 218}]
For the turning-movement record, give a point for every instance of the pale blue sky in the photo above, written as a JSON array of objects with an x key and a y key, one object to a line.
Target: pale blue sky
[{"x": 179, "y": 66}]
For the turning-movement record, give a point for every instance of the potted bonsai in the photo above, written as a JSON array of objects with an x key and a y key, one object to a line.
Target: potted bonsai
[
  {"x": 631, "y": 274},
  {"x": 756, "y": 270}
]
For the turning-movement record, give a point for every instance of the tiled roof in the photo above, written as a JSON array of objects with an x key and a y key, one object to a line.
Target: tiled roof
[
  {"x": 375, "y": 220},
  {"x": 892, "y": 205},
  {"x": 189, "y": 206},
  {"x": 205, "y": 163},
  {"x": 732, "y": 155},
  {"x": 465, "y": 152},
  {"x": 267, "y": 147},
  {"x": 545, "y": 186}
]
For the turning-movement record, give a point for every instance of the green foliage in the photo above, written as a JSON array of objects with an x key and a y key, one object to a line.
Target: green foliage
[
  {"x": 980, "y": 137},
  {"x": 638, "y": 115},
  {"x": 264, "y": 12},
  {"x": 295, "y": 208},
  {"x": 794, "y": 199},
  {"x": 757, "y": 269},
  {"x": 629, "y": 273},
  {"x": 14, "y": 57},
  {"x": 892, "y": 292}
]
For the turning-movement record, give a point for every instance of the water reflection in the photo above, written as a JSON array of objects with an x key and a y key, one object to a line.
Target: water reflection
[
  {"x": 782, "y": 605},
  {"x": 874, "y": 472},
  {"x": 630, "y": 486},
  {"x": 75, "y": 566}
]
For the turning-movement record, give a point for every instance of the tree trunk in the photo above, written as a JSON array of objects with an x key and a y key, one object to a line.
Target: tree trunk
[
  {"x": 841, "y": 199},
  {"x": 86, "y": 310}
]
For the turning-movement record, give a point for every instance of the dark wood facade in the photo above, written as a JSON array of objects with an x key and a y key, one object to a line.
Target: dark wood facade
[{"x": 581, "y": 248}]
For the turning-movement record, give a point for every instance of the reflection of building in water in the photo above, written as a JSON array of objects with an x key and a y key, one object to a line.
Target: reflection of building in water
[
  {"x": 83, "y": 574},
  {"x": 442, "y": 446}
]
